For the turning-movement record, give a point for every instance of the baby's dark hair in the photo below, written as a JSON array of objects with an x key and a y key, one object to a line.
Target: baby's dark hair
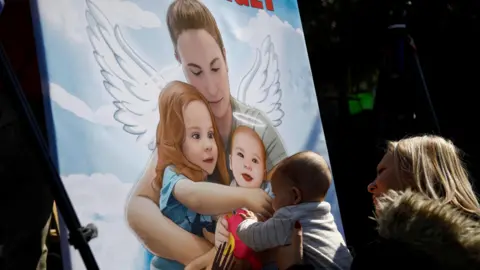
[{"x": 308, "y": 171}]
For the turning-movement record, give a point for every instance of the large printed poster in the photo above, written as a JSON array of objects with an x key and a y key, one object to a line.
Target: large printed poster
[{"x": 221, "y": 90}]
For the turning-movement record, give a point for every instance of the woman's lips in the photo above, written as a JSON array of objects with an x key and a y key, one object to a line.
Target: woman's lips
[{"x": 215, "y": 102}]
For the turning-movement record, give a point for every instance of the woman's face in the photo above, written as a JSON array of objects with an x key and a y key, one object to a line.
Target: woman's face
[
  {"x": 386, "y": 177},
  {"x": 199, "y": 146},
  {"x": 205, "y": 68}
]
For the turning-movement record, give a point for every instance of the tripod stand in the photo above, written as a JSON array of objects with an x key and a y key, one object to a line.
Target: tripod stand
[
  {"x": 13, "y": 104},
  {"x": 404, "y": 82}
]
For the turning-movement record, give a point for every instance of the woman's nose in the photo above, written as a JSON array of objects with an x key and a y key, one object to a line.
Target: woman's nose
[
  {"x": 210, "y": 85},
  {"x": 372, "y": 187}
]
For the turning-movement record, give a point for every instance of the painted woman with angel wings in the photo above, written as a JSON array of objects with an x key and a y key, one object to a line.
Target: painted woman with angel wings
[{"x": 199, "y": 48}]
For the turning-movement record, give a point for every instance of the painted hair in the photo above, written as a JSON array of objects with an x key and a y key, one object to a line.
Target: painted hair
[
  {"x": 251, "y": 132},
  {"x": 185, "y": 15},
  {"x": 432, "y": 166},
  {"x": 171, "y": 134}
]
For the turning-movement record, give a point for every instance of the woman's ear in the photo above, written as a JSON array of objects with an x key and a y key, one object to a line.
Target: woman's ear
[
  {"x": 230, "y": 161},
  {"x": 297, "y": 195}
]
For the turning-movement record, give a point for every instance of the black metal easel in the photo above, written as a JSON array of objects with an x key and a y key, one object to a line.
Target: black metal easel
[
  {"x": 16, "y": 105},
  {"x": 401, "y": 107}
]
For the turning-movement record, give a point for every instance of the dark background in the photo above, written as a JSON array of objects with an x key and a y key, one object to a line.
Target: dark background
[{"x": 351, "y": 51}]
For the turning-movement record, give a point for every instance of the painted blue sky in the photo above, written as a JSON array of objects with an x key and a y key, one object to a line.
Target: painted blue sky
[{"x": 97, "y": 158}]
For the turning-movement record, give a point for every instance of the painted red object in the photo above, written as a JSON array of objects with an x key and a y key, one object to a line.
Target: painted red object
[{"x": 240, "y": 250}]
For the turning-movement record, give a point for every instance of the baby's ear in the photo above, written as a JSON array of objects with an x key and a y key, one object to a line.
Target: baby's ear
[
  {"x": 297, "y": 195},
  {"x": 230, "y": 161}
]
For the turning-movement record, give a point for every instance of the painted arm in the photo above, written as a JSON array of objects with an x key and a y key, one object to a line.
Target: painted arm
[
  {"x": 261, "y": 236},
  {"x": 159, "y": 234},
  {"x": 202, "y": 262},
  {"x": 211, "y": 199}
]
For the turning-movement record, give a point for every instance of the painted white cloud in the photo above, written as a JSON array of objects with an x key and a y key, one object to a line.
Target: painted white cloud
[
  {"x": 64, "y": 16},
  {"x": 68, "y": 16},
  {"x": 173, "y": 72},
  {"x": 103, "y": 115},
  {"x": 264, "y": 24},
  {"x": 100, "y": 199},
  {"x": 128, "y": 14},
  {"x": 321, "y": 145}
]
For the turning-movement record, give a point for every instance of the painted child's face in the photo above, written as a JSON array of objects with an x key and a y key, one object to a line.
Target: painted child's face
[
  {"x": 199, "y": 146},
  {"x": 246, "y": 161}
]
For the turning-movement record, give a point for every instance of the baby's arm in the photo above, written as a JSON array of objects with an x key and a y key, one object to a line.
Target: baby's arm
[
  {"x": 203, "y": 261},
  {"x": 261, "y": 236}
]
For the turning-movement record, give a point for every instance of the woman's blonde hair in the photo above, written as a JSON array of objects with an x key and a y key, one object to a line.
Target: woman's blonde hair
[
  {"x": 431, "y": 165},
  {"x": 171, "y": 134},
  {"x": 183, "y": 15}
]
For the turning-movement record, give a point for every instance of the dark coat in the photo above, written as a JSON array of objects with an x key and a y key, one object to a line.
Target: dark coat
[{"x": 419, "y": 233}]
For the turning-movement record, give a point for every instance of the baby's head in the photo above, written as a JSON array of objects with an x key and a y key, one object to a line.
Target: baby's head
[
  {"x": 247, "y": 158},
  {"x": 303, "y": 177}
]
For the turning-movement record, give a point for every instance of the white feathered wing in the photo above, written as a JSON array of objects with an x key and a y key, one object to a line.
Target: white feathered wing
[
  {"x": 132, "y": 82},
  {"x": 260, "y": 87}
]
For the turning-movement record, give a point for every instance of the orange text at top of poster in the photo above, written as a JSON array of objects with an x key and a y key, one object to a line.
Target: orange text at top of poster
[{"x": 259, "y": 4}]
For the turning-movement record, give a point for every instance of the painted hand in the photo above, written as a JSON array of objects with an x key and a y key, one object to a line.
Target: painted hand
[
  {"x": 222, "y": 261},
  {"x": 209, "y": 236},
  {"x": 221, "y": 232},
  {"x": 259, "y": 202},
  {"x": 203, "y": 261}
]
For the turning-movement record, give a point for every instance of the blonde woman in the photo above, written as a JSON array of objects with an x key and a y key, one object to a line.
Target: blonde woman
[
  {"x": 426, "y": 209},
  {"x": 429, "y": 165}
]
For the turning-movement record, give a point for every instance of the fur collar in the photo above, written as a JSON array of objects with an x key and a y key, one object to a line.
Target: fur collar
[{"x": 440, "y": 231}]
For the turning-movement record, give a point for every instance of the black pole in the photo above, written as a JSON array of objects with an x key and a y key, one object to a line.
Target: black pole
[
  {"x": 400, "y": 107},
  {"x": 424, "y": 86},
  {"x": 19, "y": 107}
]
